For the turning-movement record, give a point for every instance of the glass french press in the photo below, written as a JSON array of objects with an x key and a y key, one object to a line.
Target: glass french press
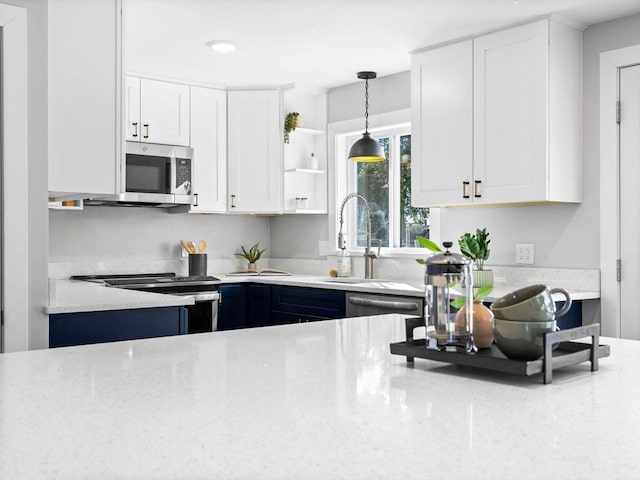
[{"x": 447, "y": 277}]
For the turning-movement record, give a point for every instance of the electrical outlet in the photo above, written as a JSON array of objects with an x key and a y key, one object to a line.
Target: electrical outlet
[
  {"x": 323, "y": 248},
  {"x": 525, "y": 253}
]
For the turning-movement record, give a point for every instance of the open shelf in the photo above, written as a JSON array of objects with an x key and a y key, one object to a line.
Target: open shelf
[
  {"x": 304, "y": 170},
  {"x": 308, "y": 131}
]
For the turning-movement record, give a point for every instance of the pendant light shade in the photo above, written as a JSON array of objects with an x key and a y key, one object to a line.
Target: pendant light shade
[{"x": 366, "y": 149}]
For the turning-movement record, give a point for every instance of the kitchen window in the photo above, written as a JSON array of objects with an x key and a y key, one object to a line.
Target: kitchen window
[{"x": 387, "y": 188}]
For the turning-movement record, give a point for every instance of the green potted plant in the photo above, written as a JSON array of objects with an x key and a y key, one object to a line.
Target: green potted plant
[
  {"x": 252, "y": 256},
  {"x": 292, "y": 120},
  {"x": 476, "y": 247}
]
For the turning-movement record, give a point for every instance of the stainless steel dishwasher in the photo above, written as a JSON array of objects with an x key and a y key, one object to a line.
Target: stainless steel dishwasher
[{"x": 364, "y": 304}]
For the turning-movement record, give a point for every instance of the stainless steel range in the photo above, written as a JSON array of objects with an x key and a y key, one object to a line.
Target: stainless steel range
[{"x": 202, "y": 316}]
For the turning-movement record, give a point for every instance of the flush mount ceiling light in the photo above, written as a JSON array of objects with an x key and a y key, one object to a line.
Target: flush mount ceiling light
[
  {"x": 366, "y": 149},
  {"x": 222, "y": 46}
]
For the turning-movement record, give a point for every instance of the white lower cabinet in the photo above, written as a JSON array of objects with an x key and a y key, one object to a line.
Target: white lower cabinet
[
  {"x": 84, "y": 93},
  {"x": 209, "y": 143},
  {"x": 517, "y": 139},
  {"x": 254, "y": 152}
]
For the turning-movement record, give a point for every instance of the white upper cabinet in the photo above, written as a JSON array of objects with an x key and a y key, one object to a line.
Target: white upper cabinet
[
  {"x": 84, "y": 96},
  {"x": 254, "y": 152},
  {"x": 209, "y": 143},
  {"x": 442, "y": 124},
  {"x": 519, "y": 136},
  {"x": 157, "y": 112}
]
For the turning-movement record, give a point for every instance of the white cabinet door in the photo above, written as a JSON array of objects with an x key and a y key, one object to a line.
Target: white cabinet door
[
  {"x": 510, "y": 114},
  {"x": 209, "y": 143},
  {"x": 132, "y": 109},
  {"x": 164, "y": 112},
  {"x": 84, "y": 96},
  {"x": 254, "y": 152},
  {"x": 497, "y": 119},
  {"x": 441, "y": 125}
]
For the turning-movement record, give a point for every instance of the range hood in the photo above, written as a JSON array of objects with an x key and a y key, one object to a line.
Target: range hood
[{"x": 149, "y": 200}]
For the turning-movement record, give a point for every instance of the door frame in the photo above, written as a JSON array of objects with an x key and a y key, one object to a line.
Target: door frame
[
  {"x": 14, "y": 160},
  {"x": 610, "y": 64}
]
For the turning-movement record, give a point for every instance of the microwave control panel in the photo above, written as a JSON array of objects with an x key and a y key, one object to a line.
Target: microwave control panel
[{"x": 183, "y": 176}]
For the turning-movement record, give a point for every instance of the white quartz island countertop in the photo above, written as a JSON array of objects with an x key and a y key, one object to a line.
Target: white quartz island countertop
[{"x": 321, "y": 400}]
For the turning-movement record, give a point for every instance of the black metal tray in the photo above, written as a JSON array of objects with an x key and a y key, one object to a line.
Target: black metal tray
[{"x": 567, "y": 352}]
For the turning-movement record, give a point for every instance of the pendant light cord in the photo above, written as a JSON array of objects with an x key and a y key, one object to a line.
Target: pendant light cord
[{"x": 366, "y": 106}]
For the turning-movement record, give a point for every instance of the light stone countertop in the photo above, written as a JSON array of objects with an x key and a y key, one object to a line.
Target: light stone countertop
[
  {"x": 382, "y": 286},
  {"x": 320, "y": 400},
  {"x": 71, "y": 296}
]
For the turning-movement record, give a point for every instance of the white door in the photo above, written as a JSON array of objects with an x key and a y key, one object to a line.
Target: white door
[
  {"x": 132, "y": 109},
  {"x": 209, "y": 143},
  {"x": 164, "y": 112},
  {"x": 254, "y": 152},
  {"x": 510, "y": 114},
  {"x": 629, "y": 201},
  {"x": 442, "y": 115}
]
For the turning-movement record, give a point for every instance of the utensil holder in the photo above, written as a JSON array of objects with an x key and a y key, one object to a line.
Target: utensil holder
[{"x": 197, "y": 264}]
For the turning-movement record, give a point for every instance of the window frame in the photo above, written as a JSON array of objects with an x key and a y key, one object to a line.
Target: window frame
[{"x": 337, "y": 135}]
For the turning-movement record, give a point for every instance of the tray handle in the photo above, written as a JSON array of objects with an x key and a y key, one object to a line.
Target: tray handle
[
  {"x": 410, "y": 324},
  {"x": 552, "y": 338}
]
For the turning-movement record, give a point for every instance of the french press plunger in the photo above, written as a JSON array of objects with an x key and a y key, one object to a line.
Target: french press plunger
[{"x": 448, "y": 276}]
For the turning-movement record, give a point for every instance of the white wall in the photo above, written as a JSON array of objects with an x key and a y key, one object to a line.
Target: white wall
[
  {"x": 565, "y": 236},
  {"x": 103, "y": 233}
]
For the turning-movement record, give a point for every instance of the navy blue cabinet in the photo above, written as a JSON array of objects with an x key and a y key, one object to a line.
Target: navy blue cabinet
[
  {"x": 67, "y": 329},
  {"x": 299, "y": 304},
  {"x": 232, "y": 308},
  {"x": 258, "y": 303}
]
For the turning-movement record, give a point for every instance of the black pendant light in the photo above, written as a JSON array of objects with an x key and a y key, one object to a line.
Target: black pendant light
[{"x": 366, "y": 149}]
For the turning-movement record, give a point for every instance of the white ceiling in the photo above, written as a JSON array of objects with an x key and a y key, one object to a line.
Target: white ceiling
[{"x": 318, "y": 43}]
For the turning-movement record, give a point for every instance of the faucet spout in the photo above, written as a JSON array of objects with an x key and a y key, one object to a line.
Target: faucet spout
[{"x": 368, "y": 254}]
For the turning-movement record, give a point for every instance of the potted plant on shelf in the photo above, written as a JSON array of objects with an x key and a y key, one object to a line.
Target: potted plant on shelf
[
  {"x": 292, "y": 121},
  {"x": 476, "y": 247},
  {"x": 252, "y": 256}
]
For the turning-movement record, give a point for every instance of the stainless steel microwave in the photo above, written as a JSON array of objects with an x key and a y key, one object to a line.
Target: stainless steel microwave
[{"x": 155, "y": 175}]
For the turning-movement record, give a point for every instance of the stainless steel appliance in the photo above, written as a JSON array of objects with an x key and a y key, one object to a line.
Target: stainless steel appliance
[
  {"x": 202, "y": 316},
  {"x": 154, "y": 175},
  {"x": 364, "y": 304}
]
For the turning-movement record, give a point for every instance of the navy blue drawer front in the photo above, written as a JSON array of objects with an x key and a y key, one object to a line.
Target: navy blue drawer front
[
  {"x": 83, "y": 328},
  {"x": 308, "y": 301}
]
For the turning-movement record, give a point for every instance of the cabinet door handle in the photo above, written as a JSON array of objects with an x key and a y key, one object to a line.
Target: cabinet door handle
[
  {"x": 135, "y": 129},
  {"x": 233, "y": 201},
  {"x": 146, "y": 126},
  {"x": 476, "y": 188},
  {"x": 464, "y": 189},
  {"x": 195, "y": 197}
]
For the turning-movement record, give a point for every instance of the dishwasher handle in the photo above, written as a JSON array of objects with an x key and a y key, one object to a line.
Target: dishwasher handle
[{"x": 368, "y": 302}]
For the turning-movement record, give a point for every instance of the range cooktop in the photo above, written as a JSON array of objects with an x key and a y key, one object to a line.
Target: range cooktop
[{"x": 148, "y": 280}]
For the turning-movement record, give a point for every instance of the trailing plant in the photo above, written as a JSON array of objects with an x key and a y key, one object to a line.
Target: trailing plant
[
  {"x": 290, "y": 124},
  {"x": 253, "y": 254},
  {"x": 476, "y": 247}
]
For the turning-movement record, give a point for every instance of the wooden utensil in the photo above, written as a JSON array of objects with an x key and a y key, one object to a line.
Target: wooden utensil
[
  {"x": 202, "y": 245},
  {"x": 192, "y": 247},
  {"x": 185, "y": 245}
]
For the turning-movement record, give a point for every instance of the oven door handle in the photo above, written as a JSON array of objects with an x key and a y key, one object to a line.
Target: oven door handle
[{"x": 201, "y": 296}]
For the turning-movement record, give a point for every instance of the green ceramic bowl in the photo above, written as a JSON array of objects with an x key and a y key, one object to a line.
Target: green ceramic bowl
[{"x": 522, "y": 340}]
